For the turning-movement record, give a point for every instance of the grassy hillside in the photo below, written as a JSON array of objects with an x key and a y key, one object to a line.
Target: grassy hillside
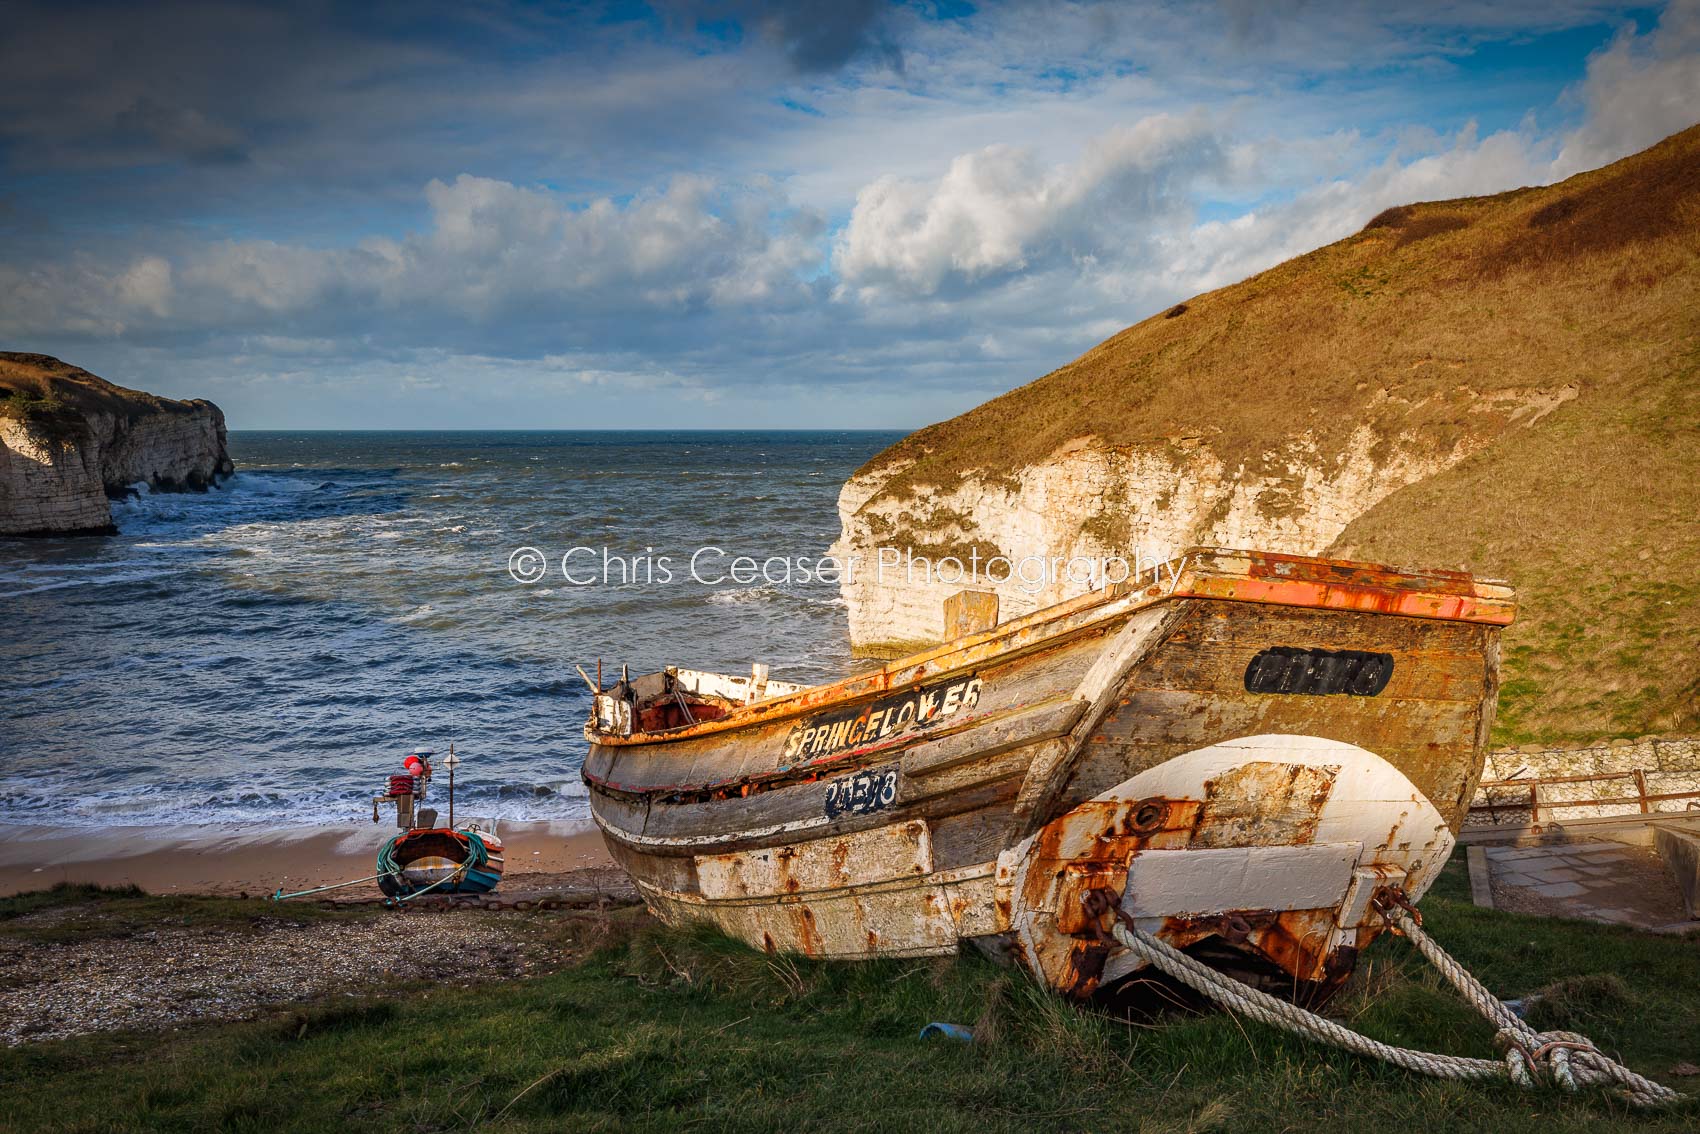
[
  {"x": 1441, "y": 322},
  {"x": 42, "y": 388}
]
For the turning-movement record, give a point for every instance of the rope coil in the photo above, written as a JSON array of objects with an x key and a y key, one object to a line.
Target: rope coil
[
  {"x": 477, "y": 854},
  {"x": 1564, "y": 1059}
]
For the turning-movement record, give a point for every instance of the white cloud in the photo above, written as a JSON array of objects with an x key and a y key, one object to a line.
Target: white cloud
[
  {"x": 998, "y": 211},
  {"x": 146, "y": 285},
  {"x": 492, "y": 250},
  {"x": 495, "y": 248},
  {"x": 1221, "y": 252},
  {"x": 1639, "y": 89}
]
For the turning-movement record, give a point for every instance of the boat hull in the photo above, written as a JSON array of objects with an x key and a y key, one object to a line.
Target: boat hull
[
  {"x": 440, "y": 860},
  {"x": 975, "y": 793}
]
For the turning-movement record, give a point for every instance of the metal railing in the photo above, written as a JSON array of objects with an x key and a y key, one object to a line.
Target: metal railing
[{"x": 1642, "y": 797}]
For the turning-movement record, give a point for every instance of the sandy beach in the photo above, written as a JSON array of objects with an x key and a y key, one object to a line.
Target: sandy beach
[{"x": 212, "y": 860}]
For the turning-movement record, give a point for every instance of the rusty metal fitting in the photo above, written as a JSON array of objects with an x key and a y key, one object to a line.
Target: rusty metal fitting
[
  {"x": 1148, "y": 817},
  {"x": 1233, "y": 929},
  {"x": 1096, "y": 902},
  {"x": 1390, "y": 898}
]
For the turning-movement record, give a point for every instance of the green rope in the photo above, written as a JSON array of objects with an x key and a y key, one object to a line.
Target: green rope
[
  {"x": 477, "y": 855},
  {"x": 281, "y": 896}
]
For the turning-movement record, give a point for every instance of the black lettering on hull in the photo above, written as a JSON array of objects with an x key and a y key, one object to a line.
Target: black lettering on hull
[
  {"x": 1290, "y": 669},
  {"x": 891, "y": 715}
]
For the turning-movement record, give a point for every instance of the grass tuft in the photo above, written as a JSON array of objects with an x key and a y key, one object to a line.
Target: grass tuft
[{"x": 1600, "y": 1005}]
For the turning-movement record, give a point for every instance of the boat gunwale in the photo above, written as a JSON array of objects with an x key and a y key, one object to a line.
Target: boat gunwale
[
  {"x": 1469, "y": 600},
  {"x": 810, "y": 771}
]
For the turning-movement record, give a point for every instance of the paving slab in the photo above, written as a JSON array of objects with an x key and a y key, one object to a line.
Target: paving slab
[
  {"x": 1680, "y": 851},
  {"x": 1603, "y": 881}
]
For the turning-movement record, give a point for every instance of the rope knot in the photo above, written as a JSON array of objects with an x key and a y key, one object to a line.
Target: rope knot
[{"x": 1544, "y": 1057}]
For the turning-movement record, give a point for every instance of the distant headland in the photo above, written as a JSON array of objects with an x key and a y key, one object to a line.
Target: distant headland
[{"x": 71, "y": 442}]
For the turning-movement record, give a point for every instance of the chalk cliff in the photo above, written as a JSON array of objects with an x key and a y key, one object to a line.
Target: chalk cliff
[
  {"x": 70, "y": 441},
  {"x": 1502, "y": 384},
  {"x": 1047, "y": 530}
]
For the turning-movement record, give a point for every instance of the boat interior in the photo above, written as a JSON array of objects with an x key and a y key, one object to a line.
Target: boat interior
[{"x": 679, "y": 698}]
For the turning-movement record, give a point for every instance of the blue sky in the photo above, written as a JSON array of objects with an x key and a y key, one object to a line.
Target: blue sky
[{"x": 735, "y": 213}]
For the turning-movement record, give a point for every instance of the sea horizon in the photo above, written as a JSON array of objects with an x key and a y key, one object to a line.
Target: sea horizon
[{"x": 901, "y": 432}]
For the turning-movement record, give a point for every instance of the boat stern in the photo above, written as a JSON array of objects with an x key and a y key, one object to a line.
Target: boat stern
[{"x": 1266, "y": 851}]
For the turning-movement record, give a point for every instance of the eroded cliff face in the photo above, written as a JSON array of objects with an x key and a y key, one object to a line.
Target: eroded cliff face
[
  {"x": 70, "y": 441},
  {"x": 1121, "y": 508},
  {"x": 49, "y": 486}
]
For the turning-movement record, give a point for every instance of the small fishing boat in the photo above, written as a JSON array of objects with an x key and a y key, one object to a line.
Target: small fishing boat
[
  {"x": 425, "y": 858},
  {"x": 441, "y": 860},
  {"x": 1246, "y": 755}
]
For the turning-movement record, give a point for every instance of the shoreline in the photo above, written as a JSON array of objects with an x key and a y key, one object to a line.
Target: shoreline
[{"x": 255, "y": 862}]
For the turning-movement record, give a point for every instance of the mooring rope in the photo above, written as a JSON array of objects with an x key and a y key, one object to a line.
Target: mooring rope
[
  {"x": 281, "y": 896},
  {"x": 476, "y": 856},
  {"x": 453, "y": 876},
  {"x": 1569, "y": 1060}
]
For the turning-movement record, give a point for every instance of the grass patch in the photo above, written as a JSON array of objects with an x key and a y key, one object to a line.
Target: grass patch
[
  {"x": 669, "y": 1030},
  {"x": 45, "y": 413}
]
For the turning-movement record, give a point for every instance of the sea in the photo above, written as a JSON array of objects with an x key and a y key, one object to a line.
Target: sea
[{"x": 266, "y": 653}]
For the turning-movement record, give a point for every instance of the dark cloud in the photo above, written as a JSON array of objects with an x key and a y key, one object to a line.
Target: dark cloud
[
  {"x": 292, "y": 119},
  {"x": 824, "y": 35},
  {"x": 181, "y": 131},
  {"x": 816, "y": 36}
]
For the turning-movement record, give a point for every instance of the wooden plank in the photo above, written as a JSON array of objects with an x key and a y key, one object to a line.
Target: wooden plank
[
  {"x": 1481, "y": 884},
  {"x": 897, "y": 850},
  {"x": 677, "y": 873},
  {"x": 965, "y": 838},
  {"x": 1434, "y": 742},
  {"x": 955, "y": 759},
  {"x": 1210, "y": 649},
  {"x": 1045, "y": 780},
  {"x": 1199, "y": 881},
  {"x": 722, "y": 759},
  {"x": 1603, "y": 801},
  {"x": 969, "y": 612},
  {"x": 1031, "y": 724}
]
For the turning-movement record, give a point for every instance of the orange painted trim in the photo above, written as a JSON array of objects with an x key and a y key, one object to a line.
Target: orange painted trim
[{"x": 1323, "y": 596}]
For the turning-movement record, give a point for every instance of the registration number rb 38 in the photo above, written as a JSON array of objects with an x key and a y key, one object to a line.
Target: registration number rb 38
[{"x": 874, "y": 789}]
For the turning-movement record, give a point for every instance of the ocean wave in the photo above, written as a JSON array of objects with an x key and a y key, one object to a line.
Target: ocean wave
[
  {"x": 271, "y": 809},
  {"x": 111, "y": 580},
  {"x": 766, "y": 592}
]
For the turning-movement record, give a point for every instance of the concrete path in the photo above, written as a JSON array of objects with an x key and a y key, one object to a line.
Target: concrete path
[{"x": 1599, "y": 881}]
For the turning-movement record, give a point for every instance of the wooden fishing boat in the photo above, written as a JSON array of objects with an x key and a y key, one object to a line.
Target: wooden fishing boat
[{"x": 1245, "y": 755}]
